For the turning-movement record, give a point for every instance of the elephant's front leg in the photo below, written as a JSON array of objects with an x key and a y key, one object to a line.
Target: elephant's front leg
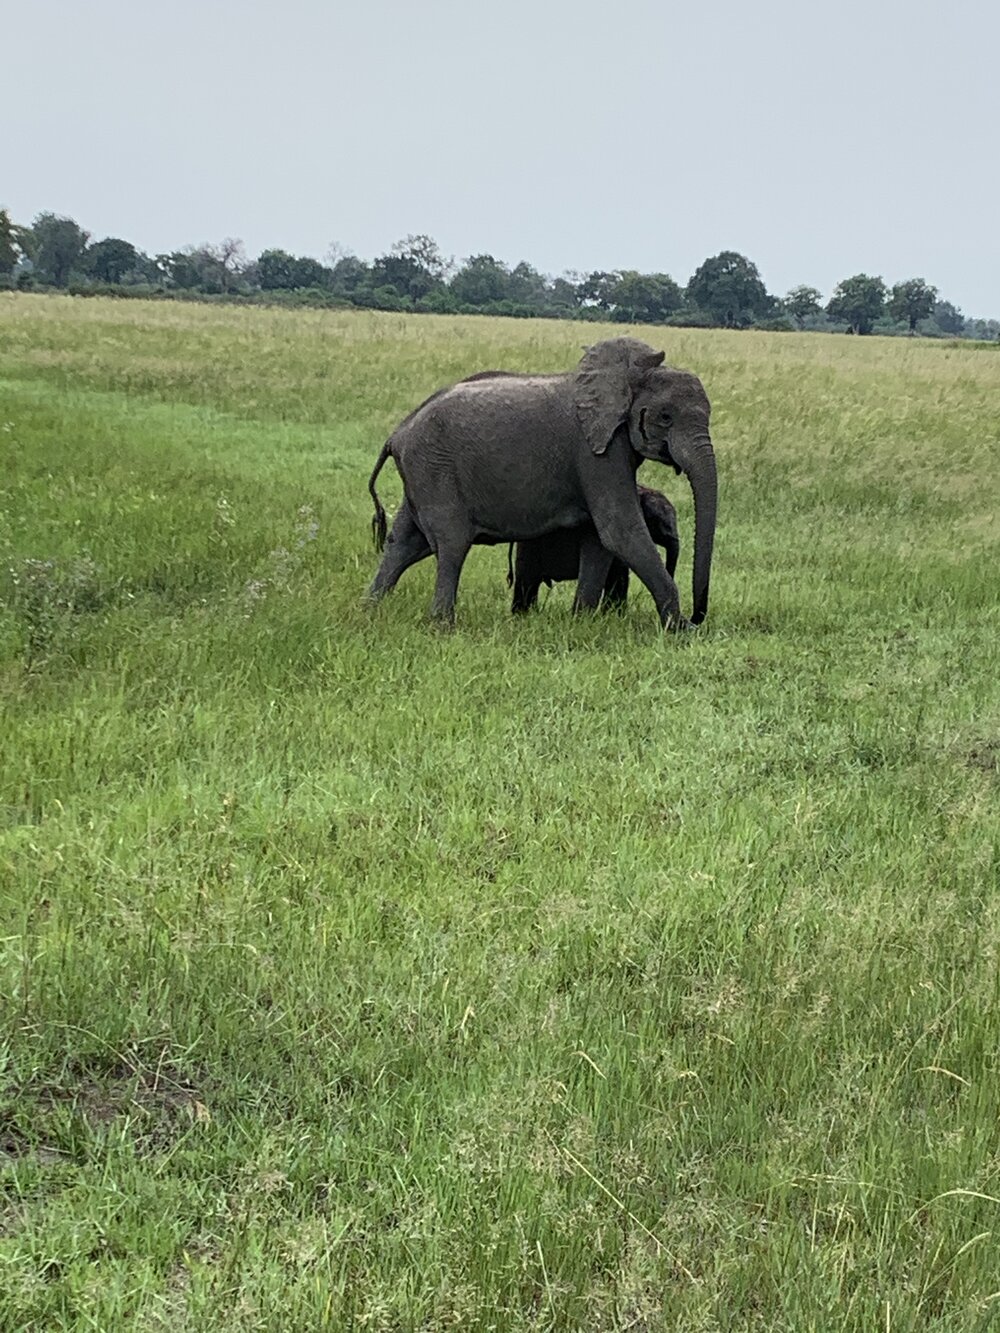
[
  {"x": 595, "y": 562},
  {"x": 626, "y": 536}
]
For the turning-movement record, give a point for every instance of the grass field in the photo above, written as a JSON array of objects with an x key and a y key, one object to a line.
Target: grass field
[{"x": 550, "y": 974}]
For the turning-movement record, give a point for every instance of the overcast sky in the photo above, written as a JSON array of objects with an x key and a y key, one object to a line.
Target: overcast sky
[{"x": 821, "y": 138}]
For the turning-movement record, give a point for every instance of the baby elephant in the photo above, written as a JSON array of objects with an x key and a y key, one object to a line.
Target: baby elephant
[{"x": 556, "y": 557}]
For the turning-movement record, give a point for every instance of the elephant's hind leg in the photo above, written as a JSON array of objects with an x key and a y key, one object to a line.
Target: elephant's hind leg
[
  {"x": 451, "y": 554},
  {"x": 530, "y": 571},
  {"x": 526, "y": 585},
  {"x": 525, "y": 597},
  {"x": 406, "y": 545}
]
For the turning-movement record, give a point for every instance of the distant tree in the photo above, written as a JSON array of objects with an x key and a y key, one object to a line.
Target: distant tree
[
  {"x": 400, "y": 275},
  {"x": 858, "y": 301},
  {"x": 210, "y": 268},
  {"x": 109, "y": 260},
  {"x": 562, "y": 292},
  {"x": 912, "y": 301},
  {"x": 985, "y": 330},
  {"x": 276, "y": 270},
  {"x": 948, "y": 318},
  {"x": 349, "y": 276},
  {"x": 801, "y": 302},
  {"x": 729, "y": 288},
  {"x": 204, "y": 263},
  {"x": 10, "y": 245},
  {"x": 308, "y": 272},
  {"x": 425, "y": 252},
  {"x": 645, "y": 298},
  {"x": 230, "y": 258},
  {"x": 59, "y": 244},
  {"x": 335, "y": 252},
  {"x": 527, "y": 286},
  {"x": 413, "y": 267},
  {"x": 147, "y": 268},
  {"x": 480, "y": 281},
  {"x": 181, "y": 268},
  {"x": 597, "y": 289},
  {"x": 142, "y": 269}
]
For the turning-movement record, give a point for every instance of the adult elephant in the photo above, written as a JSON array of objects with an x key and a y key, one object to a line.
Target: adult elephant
[
  {"x": 502, "y": 458},
  {"x": 556, "y": 557}
]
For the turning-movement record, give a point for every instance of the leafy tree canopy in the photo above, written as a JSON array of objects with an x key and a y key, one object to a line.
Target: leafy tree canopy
[
  {"x": 349, "y": 275},
  {"x": 11, "y": 244},
  {"x": 480, "y": 281},
  {"x": 563, "y": 293},
  {"x": 180, "y": 268},
  {"x": 729, "y": 287},
  {"x": 527, "y": 286},
  {"x": 644, "y": 298},
  {"x": 597, "y": 289},
  {"x": 948, "y": 317},
  {"x": 58, "y": 246},
  {"x": 308, "y": 272},
  {"x": 858, "y": 301},
  {"x": 801, "y": 302},
  {"x": 424, "y": 252},
  {"x": 985, "y": 329},
  {"x": 109, "y": 260},
  {"x": 413, "y": 268},
  {"x": 276, "y": 270},
  {"x": 229, "y": 259},
  {"x": 912, "y": 301}
]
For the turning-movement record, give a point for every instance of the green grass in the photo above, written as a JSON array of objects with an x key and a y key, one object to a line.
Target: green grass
[{"x": 550, "y": 974}]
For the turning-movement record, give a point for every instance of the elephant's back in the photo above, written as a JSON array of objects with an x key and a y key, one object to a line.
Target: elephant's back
[
  {"x": 503, "y": 449},
  {"x": 491, "y": 428},
  {"x": 506, "y": 403}
]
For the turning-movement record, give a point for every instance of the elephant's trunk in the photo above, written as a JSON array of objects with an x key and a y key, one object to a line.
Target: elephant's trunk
[{"x": 699, "y": 464}]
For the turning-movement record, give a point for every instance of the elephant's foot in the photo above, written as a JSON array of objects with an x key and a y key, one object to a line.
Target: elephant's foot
[{"x": 442, "y": 619}]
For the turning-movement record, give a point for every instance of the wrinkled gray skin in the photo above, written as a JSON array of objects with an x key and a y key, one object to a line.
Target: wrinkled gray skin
[
  {"x": 503, "y": 458},
  {"x": 556, "y": 557}
]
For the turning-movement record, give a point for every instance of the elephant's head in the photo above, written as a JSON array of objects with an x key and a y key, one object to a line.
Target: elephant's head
[{"x": 624, "y": 382}]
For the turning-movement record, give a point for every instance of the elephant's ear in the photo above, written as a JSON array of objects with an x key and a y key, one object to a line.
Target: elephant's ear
[{"x": 605, "y": 383}]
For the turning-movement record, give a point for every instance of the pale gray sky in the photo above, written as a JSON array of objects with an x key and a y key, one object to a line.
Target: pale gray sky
[{"x": 821, "y": 138}]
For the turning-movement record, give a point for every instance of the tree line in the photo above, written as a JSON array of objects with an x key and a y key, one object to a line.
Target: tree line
[{"x": 725, "y": 291}]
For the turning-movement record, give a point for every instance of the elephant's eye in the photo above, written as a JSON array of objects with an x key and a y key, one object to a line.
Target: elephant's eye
[{"x": 666, "y": 420}]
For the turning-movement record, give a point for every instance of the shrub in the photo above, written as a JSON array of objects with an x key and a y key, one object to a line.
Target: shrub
[
  {"x": 690, "y": 319},
  {"x": 775, "y": 324}
]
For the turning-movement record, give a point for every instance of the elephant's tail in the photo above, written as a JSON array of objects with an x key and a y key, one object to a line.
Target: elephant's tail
[
  {"x": 510, "y": 565},
  {"x": 379, "y": 524}
]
